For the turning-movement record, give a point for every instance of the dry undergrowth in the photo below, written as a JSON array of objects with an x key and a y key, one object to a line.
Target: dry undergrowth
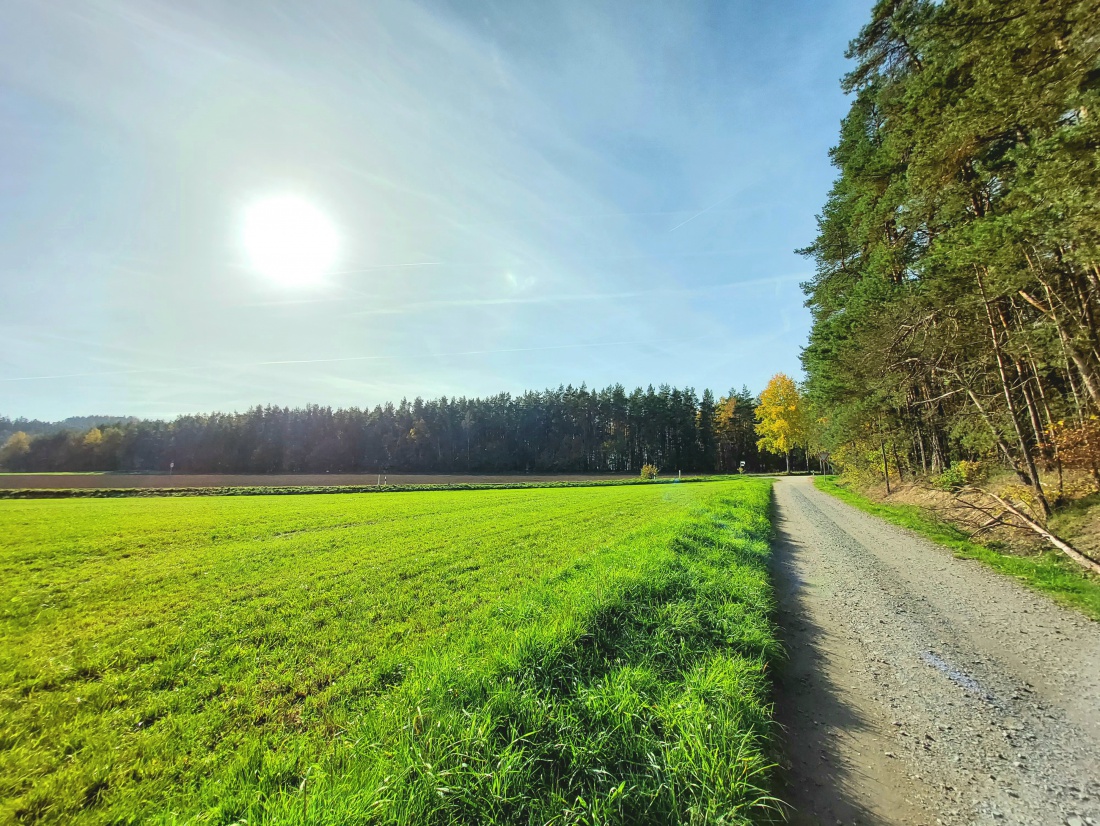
[{"x": 1077, "y": 520}]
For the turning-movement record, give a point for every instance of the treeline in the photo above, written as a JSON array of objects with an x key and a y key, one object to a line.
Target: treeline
[
  {"x": 35, "y": 427},
  {"x": 956, "y": 302},
  {"x": 564, "y": 430}
]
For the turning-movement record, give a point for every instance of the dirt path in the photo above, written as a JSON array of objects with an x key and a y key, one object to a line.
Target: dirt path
[{"x": 923, "y": 688}]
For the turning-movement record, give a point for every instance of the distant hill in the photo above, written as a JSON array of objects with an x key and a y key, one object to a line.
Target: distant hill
[{"x": 36, "y": 427}]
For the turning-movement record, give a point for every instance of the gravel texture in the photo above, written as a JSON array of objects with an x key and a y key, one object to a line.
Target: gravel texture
[{"x": 921, "y": 688}]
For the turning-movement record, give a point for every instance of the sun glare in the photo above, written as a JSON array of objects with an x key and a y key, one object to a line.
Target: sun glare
[{"x": 289, "y": 240}]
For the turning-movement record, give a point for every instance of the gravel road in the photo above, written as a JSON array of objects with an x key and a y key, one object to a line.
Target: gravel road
[{"x": 924, "y": 689}]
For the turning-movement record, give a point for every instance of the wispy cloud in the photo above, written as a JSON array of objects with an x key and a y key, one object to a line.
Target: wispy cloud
[
  {"x": 404, "y": 357},
  {"x": 579, "y": 298},
  {"x": 503, "y": 179}
]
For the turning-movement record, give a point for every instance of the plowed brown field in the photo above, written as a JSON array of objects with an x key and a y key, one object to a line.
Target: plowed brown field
[{"x": 215, "y": 480}]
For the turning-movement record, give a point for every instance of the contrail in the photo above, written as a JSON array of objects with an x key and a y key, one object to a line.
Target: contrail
[
  {"x": 567, "y": 298},
  {"x": 701, "y": 212},
  {"x": 374, "y": 267},
  {"x": 399, "y": 309},
  {"x": 142, "y": 371}
]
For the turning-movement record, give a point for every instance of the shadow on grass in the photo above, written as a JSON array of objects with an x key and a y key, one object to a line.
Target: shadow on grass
[
  {"x": 656, "y": 713},
  {"x": 649, "y": 704}
]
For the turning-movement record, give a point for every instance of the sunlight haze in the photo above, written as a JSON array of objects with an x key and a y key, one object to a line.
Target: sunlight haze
[
  {"x": 496, "y": 197},
  {"x": 289, "y": 240}
]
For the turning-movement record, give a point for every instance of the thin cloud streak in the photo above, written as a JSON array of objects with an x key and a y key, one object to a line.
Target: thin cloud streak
[
  {"x": 703, "y": 211},
  {"x": 399, "y": 308},
  {"x": 338, "y": 360},
  {"x": 567, "y": 299},
  {"x": 376, "y": 267},
  {"x": 495, "y": 174}
]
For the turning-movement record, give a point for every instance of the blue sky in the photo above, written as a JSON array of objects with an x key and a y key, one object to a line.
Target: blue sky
[{"x": 526, "y": 195}]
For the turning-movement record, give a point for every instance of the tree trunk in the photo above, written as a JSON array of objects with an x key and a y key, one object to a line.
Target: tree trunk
[
  {"x": 897, "y": 463},
  {"x": 920, "y": 449},
  {"x": 1025, "y": 449},
  {"x": 885, "y": 467},
  {"x": 1092, "y": 385},
  {"x": 939, "y": 451},
  {"x": 1033, "y": 415},
  {"x": 1025, "y": 389},
  {"x": 1004, "y": 448},
  {"x": 1048, "y": 416}
]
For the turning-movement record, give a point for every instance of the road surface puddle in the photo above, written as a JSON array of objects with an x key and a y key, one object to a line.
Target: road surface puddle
[{"x": 964, "y": 681}]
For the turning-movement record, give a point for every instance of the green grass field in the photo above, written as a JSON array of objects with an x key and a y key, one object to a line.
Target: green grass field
[
  {"x": 1050, "y": 572},
  {"x": 572, "y": 655},
  {"x": 298, "y": 490}
]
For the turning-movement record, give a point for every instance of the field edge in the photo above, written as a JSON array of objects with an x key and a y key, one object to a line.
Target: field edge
[{"x": 119, "y": 493}]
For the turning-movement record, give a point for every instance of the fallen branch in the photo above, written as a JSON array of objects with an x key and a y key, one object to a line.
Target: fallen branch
[
  {"x": 988, "y": 526},
  {"x": 1032, "y": 525}
]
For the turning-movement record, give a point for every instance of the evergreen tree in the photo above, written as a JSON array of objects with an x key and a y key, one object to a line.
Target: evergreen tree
[
  {"x": 567, "y": 429},
  {"x": 957, "y": 291}
]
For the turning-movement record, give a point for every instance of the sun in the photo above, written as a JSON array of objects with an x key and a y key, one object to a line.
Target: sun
[{"x": 289, "y": 240}]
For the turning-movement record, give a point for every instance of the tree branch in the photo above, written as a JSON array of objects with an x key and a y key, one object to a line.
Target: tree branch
[{"x": 1032, "y": 525}]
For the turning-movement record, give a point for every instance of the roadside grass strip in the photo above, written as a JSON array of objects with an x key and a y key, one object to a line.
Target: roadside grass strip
[
  {"x": 607, "y": 663},
  {"x": 1049, "y": 572}
]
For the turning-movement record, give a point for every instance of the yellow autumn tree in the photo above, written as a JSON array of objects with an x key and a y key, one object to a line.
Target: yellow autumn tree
[
  {"x": 781, "y": 418},
  {"x": 16, "y": 447}
]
